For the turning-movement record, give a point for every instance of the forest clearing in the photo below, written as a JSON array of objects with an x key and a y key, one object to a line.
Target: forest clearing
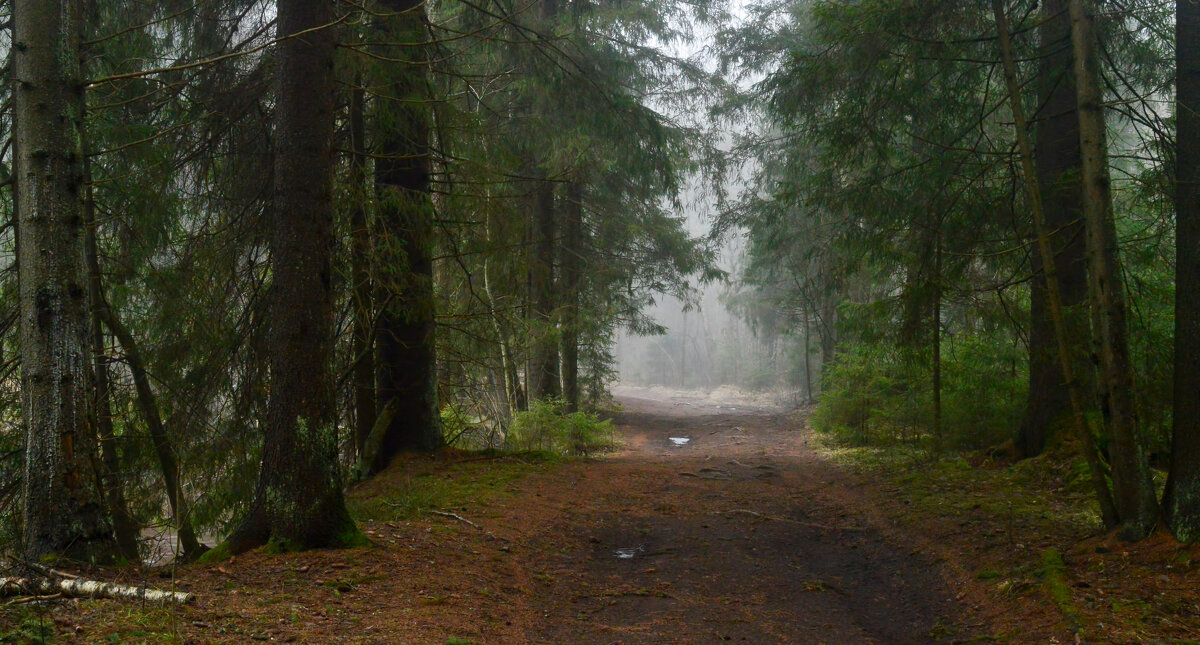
[{"x": 750, "y": 532}]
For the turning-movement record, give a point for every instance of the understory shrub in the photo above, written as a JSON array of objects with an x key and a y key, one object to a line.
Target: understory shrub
[
  {"x": 547, "y": 427},
  {"x": 875, "y": 394}
]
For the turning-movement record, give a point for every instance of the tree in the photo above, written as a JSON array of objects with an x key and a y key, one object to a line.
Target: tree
[
  {"x": 62, "y": 513},
  {"x": 572, "y": 279},
  {"x": 1181, "y": 502},
  {"x": 406, "y": 356},
  {"x": 1058, "y": 172},
  {"x": 298, "y": 500},
  {"x": 1133, "y": 490}
]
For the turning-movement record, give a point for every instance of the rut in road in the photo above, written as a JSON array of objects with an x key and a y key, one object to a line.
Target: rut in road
[{"x": 730, "y": 536}]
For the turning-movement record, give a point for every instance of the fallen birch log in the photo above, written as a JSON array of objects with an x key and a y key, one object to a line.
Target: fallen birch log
[{"x": 79, "y": 588}]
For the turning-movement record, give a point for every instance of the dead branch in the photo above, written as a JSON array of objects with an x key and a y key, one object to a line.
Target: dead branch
[
  {"x": 456, "y": 517},
  {"x": 79, "y": 588}
]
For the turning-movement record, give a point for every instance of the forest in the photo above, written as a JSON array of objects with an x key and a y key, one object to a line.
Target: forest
[{"x": 293, "y": 292}]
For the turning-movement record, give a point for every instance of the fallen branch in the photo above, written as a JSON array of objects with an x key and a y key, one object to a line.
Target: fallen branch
[
  {"x": 79, "y": 588},
  {"x": 456, "y": 517}
]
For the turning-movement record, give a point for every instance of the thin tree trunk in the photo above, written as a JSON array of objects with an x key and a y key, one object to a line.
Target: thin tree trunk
[
  {"x": 1083, "y": 432},
  {"x": 514, "y": 392},
  {"x": 1182, "y": 500},
  {"x": 61, "y": 512},
  {"x": 159, "y": 437},
  {"x": 404, "y": 261},
  {"x": 572, "y": 263},
  {"x": 298, "y": 500},
  {"x": 1057, "y": 157},
  {"x": 1133, "y": 490},
  {"x": 360, "y": 271},
  {"x": 124, "y": 527},
  {"x": 936, "y": 323},
  {"x": 808, "y": 387}
]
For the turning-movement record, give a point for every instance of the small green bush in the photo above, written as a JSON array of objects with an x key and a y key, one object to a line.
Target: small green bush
[
  {"x": 873, "y": 395},
  {"x": 878, "y": 395},
  {"x": 547, "y": 427}
]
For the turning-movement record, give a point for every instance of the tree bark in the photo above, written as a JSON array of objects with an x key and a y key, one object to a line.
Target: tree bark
[
  {"x": 405, "y": 329},
  {"x": 360, "y": 271},
  {"x": 1083, "y": 431},
  {"x": 298, "y": 500},
  {"x": 124, "y": 528},
  {"x": 1133, "y": 490},
  {"x": 1181, "y": 502},
  {"x": 1057, "y": 159},
  {"x": 78, "y": 588},
  {"x": 572, "y": 264},
  {"x": 159, "y": 437},
  {"x": 514, "y": 393},
  {"x": 544, "y": 359},
  {"x": 61, "y": 512}
]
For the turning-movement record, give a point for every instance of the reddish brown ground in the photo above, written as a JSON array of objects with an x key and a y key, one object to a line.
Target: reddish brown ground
[{"x": 745, "y": 534}]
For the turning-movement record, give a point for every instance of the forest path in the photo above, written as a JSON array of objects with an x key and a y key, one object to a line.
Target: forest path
[{"x": 741, "y": 534}]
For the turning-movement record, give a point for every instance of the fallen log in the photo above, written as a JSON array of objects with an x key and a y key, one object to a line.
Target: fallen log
[{"x": 79, "y": 588}]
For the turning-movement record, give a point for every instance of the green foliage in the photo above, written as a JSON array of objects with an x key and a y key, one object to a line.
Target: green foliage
[
  {"x": 873, "y": 395},
  {"x": 877, "y": 394},
  {"x": 27, "y": 626},
  {"x": 402, "y": 496},
  {"x": 218, "y": 553},
  {"x": 546, "y": 426}
]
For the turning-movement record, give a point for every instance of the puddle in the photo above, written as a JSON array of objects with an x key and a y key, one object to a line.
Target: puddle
[
  {"x": 628, "y": 554},
  {"x": 680, "y": 441}
]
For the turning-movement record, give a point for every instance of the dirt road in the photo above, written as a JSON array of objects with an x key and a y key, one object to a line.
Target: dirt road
[
  {"x": 714, "y": 522},
  {"x": 717, "y": 523}
]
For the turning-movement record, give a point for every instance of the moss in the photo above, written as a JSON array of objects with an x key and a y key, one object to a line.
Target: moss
[
  {"x": 352, "y": 538},
  {"x": 409, "y": 496},
  {"x": 279, "y": 546},
  {"x": 219, "y": 553},
  {"x": 1054, "y": 582}
]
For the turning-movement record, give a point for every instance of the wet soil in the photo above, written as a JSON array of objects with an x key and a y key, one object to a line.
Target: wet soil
[{"x": 729, "y": 537}]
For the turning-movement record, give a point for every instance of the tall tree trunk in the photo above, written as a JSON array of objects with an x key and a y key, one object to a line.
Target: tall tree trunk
[
  {"x": 544, "y": 359},
  {"x": 1083, "y": 431},
  {"x": 360, "y": 271},
  {"x": 1057, "y": 158},
  {"x": 1133, "y": 490},
  {"x": 61, "y": 511},
  {"x": 159, "y": 437},
  {"x": 298, "y": 500},
  {"x": 1182, "y": 500},
  {"x": 404, "y": 263},
  {"x": 572, "y": 264}
]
